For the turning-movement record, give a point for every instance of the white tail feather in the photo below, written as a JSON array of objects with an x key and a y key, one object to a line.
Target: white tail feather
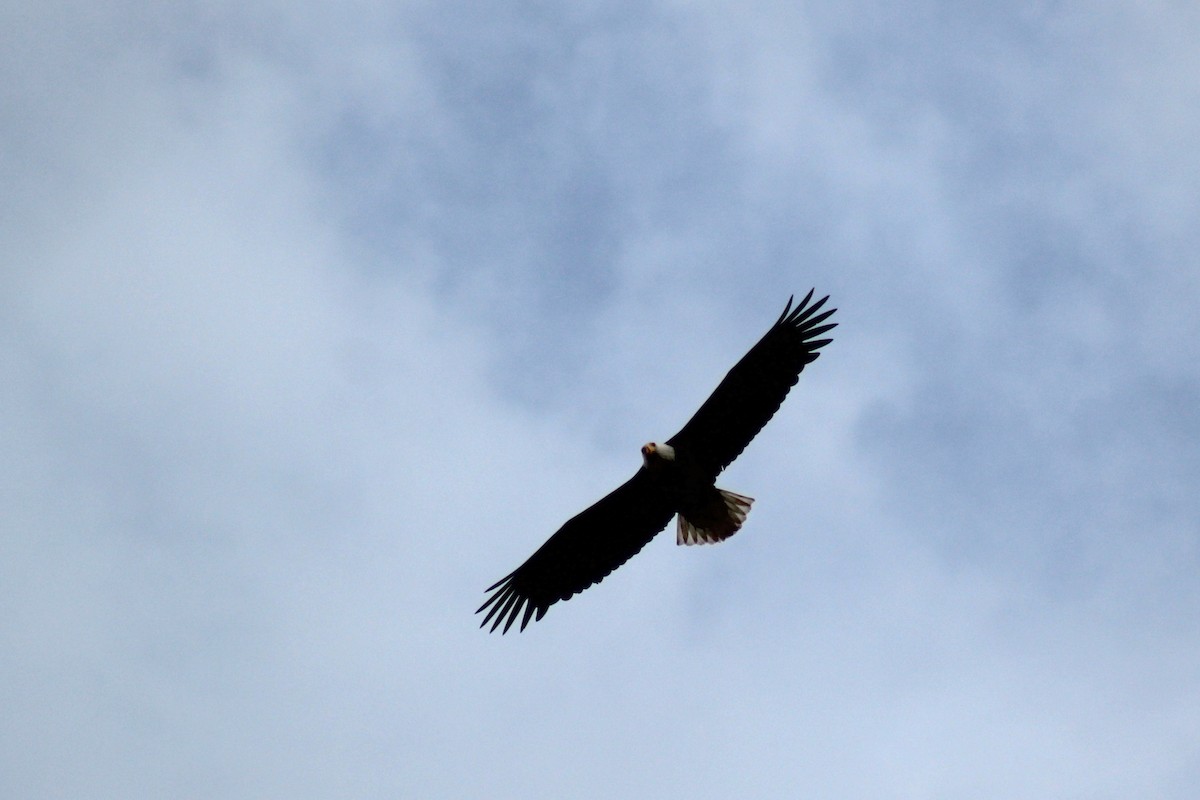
[{"x": 737, "y": 506}]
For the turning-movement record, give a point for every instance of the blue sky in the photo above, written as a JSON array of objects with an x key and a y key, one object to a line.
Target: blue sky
[{"x": 318, "y": 319}]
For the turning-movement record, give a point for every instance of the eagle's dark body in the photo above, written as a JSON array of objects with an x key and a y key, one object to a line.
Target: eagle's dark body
[{"x": 677, "y": 477}]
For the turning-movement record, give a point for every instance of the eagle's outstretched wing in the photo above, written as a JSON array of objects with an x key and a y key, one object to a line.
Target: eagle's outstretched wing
[
  {"x": 585, "y": 549},
  {"x": 755, "y": 388}
]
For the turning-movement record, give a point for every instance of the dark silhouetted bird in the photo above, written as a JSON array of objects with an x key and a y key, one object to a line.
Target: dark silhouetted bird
[{"x": 676, "y": 477}]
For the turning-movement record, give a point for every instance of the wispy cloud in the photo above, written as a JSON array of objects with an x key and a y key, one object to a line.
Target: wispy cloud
[{"x": 317, "y": 320}]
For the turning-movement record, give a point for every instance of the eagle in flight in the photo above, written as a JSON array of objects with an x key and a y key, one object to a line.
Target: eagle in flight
[{"x": 676, "y": 478}]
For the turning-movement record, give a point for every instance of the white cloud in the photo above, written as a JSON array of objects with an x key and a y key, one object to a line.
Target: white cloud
[{"x": 318, "y": 320}]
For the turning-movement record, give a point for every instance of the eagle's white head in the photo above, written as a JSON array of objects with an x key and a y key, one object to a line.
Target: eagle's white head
[{"x": 657, "y": 452}]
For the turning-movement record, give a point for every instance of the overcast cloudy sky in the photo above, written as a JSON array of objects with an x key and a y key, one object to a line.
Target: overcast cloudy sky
[{"x": 316, "y": 319}]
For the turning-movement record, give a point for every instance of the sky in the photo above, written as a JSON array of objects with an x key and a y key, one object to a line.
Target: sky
[{"x": 317, "y": 319}]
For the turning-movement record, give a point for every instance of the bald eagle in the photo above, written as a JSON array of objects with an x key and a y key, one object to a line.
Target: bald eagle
[{"x": 676, "y": 478}]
